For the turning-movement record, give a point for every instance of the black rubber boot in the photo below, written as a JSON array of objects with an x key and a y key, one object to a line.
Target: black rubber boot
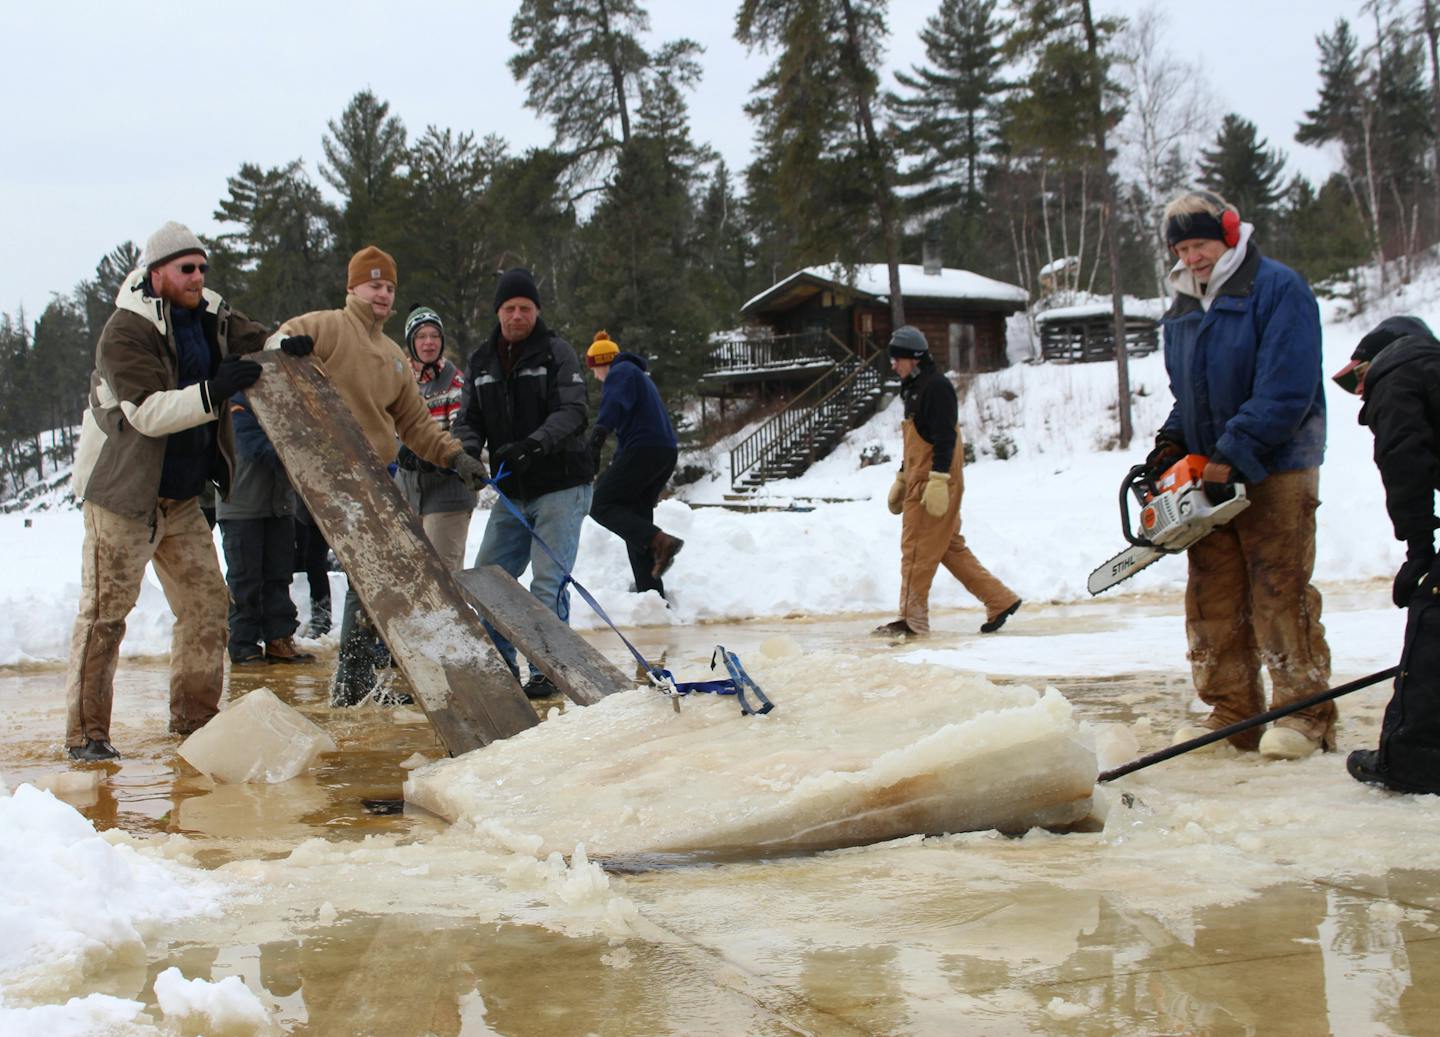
[{"x": 93, "y": 751}]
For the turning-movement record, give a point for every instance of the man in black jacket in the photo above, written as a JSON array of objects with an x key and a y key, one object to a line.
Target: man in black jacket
[
  {"x": 1396, "y": 368},
  {"x": 526, "y": 402}
]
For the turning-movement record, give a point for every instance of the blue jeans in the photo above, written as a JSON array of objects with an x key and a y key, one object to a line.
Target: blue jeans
[{"x": 557, "y": 518}]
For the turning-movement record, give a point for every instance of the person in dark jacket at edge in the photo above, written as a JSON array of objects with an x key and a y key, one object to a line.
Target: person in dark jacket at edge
[
  {"x": 927, "y": 492},
  {"x": 156, "y": 431},
  {"x": 525, "y": 401},
  {"x": 645, "y": 453},
  {"x": 257, "y": 533},
  {"x": 1242, "y": 350},
  {"x": 1396, "y": 370}
]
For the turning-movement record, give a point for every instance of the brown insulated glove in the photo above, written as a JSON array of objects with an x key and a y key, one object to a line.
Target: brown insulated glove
[{"x": 896, "y": 499}]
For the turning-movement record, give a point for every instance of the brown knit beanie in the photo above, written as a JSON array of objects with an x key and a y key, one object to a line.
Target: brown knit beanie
[{"x": 370, "y": 264}]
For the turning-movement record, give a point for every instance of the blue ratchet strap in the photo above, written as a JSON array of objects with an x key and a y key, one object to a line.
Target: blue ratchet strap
[{"x": 662, "y": 680}]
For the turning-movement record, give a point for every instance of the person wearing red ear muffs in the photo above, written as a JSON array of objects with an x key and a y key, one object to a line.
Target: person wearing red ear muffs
[{"x": 1242, "y": 350}]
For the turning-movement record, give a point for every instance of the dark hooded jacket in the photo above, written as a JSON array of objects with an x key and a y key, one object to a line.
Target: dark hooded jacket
[
  {"x": 1402, "y": 408},
  {"x": 631, "y": 405},
  {"x": 542, "y": 398}
]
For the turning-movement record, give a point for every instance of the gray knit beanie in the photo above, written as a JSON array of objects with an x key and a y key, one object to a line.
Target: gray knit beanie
[
  {"x": 171, "y": 240},
  {"x": 908, "y": 343}
]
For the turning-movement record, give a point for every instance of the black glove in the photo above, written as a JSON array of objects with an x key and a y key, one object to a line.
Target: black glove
[
  {"x": 517, "y": 457},
  {"x": 297, "y": 345},
  {"x": 596, "y": 442},
  {"x": 470, "y": 470},
  {"x": 236, "y": 372},
  {"x": 1167, "y": 451},
  {"x": 1419, "y": 557},
  {"x": 408, "y": 459},
  {"x": 1219, "y": 490}
]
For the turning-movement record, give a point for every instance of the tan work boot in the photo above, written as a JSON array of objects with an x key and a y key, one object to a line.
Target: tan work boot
[
  {"x": 283, "y": 650},
  {"x": 664, "y": 547},
  {"x": 1286, "y": 743}
]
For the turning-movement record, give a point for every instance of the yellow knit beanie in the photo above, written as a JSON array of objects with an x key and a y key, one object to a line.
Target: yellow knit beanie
[{"x": 602, "y": 351}]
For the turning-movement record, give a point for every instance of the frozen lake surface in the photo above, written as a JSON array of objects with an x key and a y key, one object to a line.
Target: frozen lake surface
[{"x": 1215, "y": 893}]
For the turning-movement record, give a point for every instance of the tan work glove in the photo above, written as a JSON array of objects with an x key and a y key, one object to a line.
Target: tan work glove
[
  {"x": 937, "y": 494},
  {"x": 896, "y": 499}
]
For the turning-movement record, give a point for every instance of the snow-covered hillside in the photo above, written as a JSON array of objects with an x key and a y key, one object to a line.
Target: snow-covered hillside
[{"x": 1040, "y": 510}]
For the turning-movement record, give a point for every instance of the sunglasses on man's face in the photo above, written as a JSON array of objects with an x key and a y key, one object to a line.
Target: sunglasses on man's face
[{"x": 190, "y": 268}]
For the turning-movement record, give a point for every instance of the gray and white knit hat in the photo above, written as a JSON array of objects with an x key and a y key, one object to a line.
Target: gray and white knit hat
[{"x": 171, "y": 240}]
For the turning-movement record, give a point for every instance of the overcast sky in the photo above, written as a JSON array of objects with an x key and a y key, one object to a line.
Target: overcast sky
[{"x": 118, "y": 117}]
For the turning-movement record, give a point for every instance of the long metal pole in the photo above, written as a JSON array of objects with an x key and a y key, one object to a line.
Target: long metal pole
[{"x": 1245, "y": 725}]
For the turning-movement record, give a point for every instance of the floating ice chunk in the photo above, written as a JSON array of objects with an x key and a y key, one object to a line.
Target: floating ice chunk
[
  {"x": 225, "y": 1009},
  {"x": 258, "y": 738},
  {"x": 856, "y": 751},
  {"x": 414, "y": 760},
  {"x": 70, "y": 784}
]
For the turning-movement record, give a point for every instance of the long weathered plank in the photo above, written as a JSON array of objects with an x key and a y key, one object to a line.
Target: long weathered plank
[
  {"x": 458, "y": 677},
  {"x": 575, "y": 666}
]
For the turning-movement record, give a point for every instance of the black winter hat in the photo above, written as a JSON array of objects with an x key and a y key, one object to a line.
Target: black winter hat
[
  {"x": 1386, "y": 332},
  {"x": 908, "y": 343},
  {"x": 516, "y": 283}
]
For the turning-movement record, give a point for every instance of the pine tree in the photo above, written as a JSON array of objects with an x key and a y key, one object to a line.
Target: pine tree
[
  {"x": 834, "y": 172},
  {"x": 584, "y": 67},
  {"x": 646, "y": 290},
  {"x": 364, "y": 154},
  {"x": 448, "y": 238},
  {"x": 1065, "y": 111},
  {"x": 1246, "y": 171},
  {"x": 948, "y": 119},
  {"x": 284, "y": 260}
]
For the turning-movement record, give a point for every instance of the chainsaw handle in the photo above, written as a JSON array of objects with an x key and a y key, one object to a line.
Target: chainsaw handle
[{"x": 1127, "y": 486}]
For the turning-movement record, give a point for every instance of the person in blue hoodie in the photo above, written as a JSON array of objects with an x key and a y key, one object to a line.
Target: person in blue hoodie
[
  {"x": 646, "y": 448},
  {"x": 1242, "y": 349}
]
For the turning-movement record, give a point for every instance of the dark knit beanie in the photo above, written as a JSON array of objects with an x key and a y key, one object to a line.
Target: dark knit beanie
[
  {"x": 1386, "y": 332},
  {"x": 516, "y": 284},
  {"x": 908, "y": 343}
]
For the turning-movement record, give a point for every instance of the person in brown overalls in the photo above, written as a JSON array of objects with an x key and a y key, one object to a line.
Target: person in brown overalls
[{"x": 927, "y": 491}]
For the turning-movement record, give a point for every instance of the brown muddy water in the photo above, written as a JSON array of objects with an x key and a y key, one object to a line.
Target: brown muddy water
[{"x": 395, "y": 924}]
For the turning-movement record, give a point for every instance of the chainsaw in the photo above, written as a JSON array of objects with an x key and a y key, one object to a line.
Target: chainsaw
[{"x": 1175, "y": 513}]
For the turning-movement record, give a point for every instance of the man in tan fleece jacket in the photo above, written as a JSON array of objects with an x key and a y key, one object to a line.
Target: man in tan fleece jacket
[{"x": 373, "y": 376}]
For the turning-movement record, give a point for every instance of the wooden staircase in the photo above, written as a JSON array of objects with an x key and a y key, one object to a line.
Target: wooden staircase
[{"x": 812, "y": 424}]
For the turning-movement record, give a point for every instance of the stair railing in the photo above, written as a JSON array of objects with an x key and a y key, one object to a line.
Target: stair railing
[{"x": 792, "y": 432}]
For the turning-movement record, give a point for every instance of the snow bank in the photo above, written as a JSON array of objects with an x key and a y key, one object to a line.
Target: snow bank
[{"x": 78, "y": 903}]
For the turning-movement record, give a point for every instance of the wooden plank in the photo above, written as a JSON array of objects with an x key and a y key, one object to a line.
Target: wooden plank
[
  {"x": 575, "y": 666},
  {"x": 459, "y": 679}
]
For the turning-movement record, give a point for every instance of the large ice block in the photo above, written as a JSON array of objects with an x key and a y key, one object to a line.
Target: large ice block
[
  {"x": 856, "y": 751},
  {"x": 258, "y": 738}
]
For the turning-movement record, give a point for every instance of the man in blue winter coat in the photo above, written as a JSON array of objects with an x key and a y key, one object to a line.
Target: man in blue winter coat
[
  {"x": 627, "y": 492},
  {"x": 1242, "y": 349}
]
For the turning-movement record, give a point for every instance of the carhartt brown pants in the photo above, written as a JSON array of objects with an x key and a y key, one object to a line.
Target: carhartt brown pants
[
  {"x": 927, "y": 542},
  {"x": 1249, "y": 602},
  {"x": 115, "y": 554}
]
